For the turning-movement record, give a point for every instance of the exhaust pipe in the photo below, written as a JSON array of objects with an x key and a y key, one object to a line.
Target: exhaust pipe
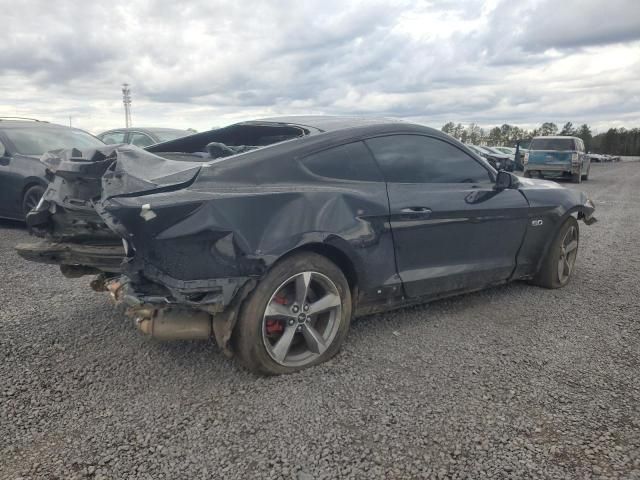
[{"x": 173, "y": 323}]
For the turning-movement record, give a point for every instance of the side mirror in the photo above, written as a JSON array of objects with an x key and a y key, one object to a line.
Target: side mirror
[
  {"x": 506, "y": 180},
  {"x": 2, "y": 150}
]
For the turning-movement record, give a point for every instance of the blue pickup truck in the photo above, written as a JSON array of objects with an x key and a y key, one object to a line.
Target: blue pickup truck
[{"x": 557, "y": 157}]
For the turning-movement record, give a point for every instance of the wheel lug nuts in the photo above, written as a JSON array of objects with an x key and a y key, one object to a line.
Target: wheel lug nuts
[
  {"x": 295, "y": 309},
  {"x": 306, "y": 308},
  {"x": 291, "y": 321}
]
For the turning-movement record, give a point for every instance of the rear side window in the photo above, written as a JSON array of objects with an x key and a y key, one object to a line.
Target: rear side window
[
  {"x": 346, "y": 162},
  {"x": 420, "y": 159},
  {"x": 113, "y": 138},
  {"x": 558, "y": 144},
  {"x": 141, "y": 140}
]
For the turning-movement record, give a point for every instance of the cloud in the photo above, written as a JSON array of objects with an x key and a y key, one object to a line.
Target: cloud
[{"x": 208, "y": 63}]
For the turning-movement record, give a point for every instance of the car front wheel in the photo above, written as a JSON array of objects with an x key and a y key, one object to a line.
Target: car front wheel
[
  {"x": 559, "y": 263},
  {"x": 298, "y": 316}
]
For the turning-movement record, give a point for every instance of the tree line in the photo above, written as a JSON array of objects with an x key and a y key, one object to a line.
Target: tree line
[{"x": 616, "y": 141}]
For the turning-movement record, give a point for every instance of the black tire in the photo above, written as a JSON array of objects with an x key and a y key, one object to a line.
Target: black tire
[
  {"x": 526, "y": 174},
  {"x": 548, "y": 276},
  {"x": 249, "y": 336},
  {"x": 576, "y": 178},
  {"x": 31, "y": 198}
]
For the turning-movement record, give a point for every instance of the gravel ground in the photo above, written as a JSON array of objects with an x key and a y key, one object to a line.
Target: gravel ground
[{"x": 512, "y": 382}]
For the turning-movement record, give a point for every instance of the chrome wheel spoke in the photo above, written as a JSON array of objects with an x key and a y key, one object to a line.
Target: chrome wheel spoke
[
  {"x": 327, "y": 302},
  {"x": 282, "y": 346},
  {"x": 302, "y": 287},
  {"x": 276, "y": 310},
  {"x": 314, "y": 340},
  {"x": 561, "y": 269},
  {"x": 571, "y": 246}
]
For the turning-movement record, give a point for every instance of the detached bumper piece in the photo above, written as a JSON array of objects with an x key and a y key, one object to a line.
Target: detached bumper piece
[{"x": 106, "y": 258}]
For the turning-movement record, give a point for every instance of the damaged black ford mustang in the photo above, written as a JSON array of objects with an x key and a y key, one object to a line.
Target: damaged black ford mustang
[{"x": 271, "y": 235}]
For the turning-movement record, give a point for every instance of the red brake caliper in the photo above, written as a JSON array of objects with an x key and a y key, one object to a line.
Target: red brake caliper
[{"x": 274, "y": 326}]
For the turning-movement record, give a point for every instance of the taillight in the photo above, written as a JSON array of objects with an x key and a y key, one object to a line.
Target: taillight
[
  {"x": 575, "y": 158},
  {"x": 526, "y": 158}
]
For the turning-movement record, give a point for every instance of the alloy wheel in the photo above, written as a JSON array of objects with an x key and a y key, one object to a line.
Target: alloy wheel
[
  {"x": 568, "y": 254},
  {"x": 301, "y": 319},
  {"x": 31, "y": 200}
]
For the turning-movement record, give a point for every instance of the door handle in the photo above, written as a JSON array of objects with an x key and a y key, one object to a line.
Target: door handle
[{"x": 416, "y": 210}]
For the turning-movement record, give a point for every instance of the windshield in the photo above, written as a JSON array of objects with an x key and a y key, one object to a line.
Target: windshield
[
  {"x": 36, "y": 141},
  {"x": 166, "y": 135},
  {"x": 552, "y": 144}
]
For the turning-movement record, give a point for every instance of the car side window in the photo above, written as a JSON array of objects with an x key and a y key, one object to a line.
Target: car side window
[
  {"x": 352, "y": 161},
  {"x": 421, "y": 159},
  {"x": 112, "y": 138},
  {"x": 141, "y": 140}
]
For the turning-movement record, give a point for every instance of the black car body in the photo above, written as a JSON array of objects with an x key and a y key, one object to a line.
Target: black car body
[
  {"x": 404, "y": 213},
  {"x": 22, "y": 175},
  {"x": 142, "y": 137}
]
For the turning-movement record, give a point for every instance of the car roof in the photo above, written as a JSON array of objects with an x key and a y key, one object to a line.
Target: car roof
[
  {"x": 145, "y": 129},
  {"x": 555, "y": 137},
  {"x": 326, "y": 123},
  {"x": 12, "y": 123}
]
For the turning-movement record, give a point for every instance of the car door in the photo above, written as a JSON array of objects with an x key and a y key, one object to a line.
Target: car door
[
  {"x": 6, "y": 178},
  {"x": 585, "y": 160},
  {"x": 452, "y": 230}
]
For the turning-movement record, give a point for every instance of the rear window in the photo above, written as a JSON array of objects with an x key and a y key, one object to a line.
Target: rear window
[
  {"x": 552, "y": 144},
  {"x": 166, "y": 135},
  {"x": 37, "y": 140}
]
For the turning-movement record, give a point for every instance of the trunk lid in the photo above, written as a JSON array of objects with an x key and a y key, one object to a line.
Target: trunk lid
[{"x": 549, "y": 157}]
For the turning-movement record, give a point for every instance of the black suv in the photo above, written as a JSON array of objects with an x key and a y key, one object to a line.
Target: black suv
[{"x": 22, "y": 176}]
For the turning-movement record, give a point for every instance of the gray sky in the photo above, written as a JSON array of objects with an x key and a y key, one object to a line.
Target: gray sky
[{"x": 209, "y": 63}]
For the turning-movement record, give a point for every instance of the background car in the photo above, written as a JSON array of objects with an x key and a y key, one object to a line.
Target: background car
[
  {"x": 22, "y": 176},
  {"x": 557, "y": 157},
  {"x": 497, "y": 159},
  {"x": 307, "y": 222},
  {"x": 142, "y": 137},
  {"x": 506, "y": 150}
]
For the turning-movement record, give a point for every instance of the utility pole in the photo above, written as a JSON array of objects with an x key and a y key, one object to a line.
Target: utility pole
[{"x": 126, "y": 100}]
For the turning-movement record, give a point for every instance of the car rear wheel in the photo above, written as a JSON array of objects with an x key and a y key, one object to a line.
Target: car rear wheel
[
  {"x": 298, "y": 316},
  {"x": 586, "y": 175},
  {"x": 558, "y": 265},
  {"x": 576, "y": 178},
  {"x": 31, "y": 198}
]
